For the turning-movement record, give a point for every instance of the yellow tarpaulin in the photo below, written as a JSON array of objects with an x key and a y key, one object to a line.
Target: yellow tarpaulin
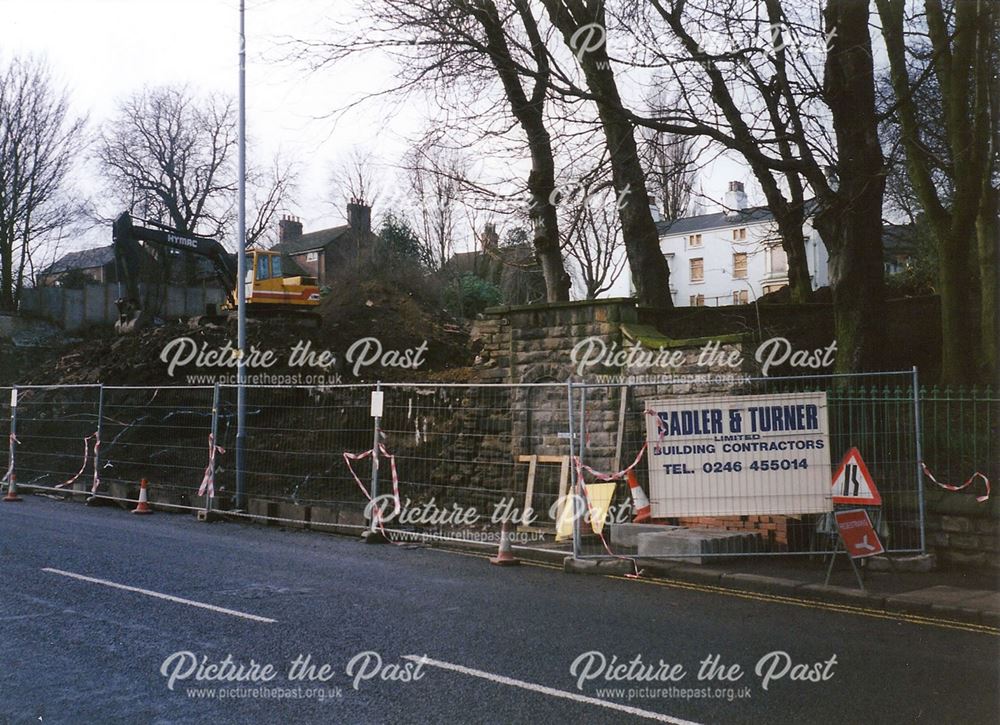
[
  {"x": 600, "y": 495},
  {"x": 564, "y": 524}
]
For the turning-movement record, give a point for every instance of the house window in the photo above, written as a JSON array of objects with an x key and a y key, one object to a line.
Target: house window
[
  {"x": 777, "y": 261},
  {"x": 694, "y": 240},
  {"x": 740, "y": 297},
  {"x": 697, "y": 300},
  {"x": 312, "y": 257},
  {"x": 740, "y": 265},
  {"x": 769, "y": 288},
  {"x": 697, "y": 269},
  {"x": 740, "y": 235}
]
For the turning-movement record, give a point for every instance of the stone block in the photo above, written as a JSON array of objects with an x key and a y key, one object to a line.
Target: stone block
[
  {"x": 323, "y": 518},
  {"x": 298, "y": 516},
  {"x": 917, "y": 563},
  {"x": 957, "y": 524},
  {"x": 694, "y": 546},
  {"x": 987, "y": 526},
  {"x": 989, "y": 543},
  {"x": 350, "y": 516},
  {"x": 963, "y": 558},
  {"x": 964, "y": 541},
  {"x": 263, "y": 509},
  {"x": 627, "y": 534}
]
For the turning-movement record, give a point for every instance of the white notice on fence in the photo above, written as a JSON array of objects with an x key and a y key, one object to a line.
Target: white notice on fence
[{"x": 739, "y": 455}]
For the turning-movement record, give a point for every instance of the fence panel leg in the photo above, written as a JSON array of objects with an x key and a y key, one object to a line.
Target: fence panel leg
[{"x": 374, "y": 535}]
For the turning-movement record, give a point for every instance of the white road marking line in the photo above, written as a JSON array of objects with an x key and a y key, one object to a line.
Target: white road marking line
[
  {"x": 648, "y": 714},
  {"x": 158, "y": 595}
]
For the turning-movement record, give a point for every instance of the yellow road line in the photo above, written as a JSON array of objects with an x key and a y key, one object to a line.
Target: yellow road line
[{"x": 775, "y": 599}]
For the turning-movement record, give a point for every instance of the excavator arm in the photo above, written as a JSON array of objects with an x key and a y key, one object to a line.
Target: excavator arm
[{"x": 128, "y": 260}]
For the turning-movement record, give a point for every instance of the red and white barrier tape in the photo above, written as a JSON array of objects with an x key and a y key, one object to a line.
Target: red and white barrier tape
[
  {"x": 951, "y": 487},
  {"x": 619, "y": 475},
  {"x": 97, "y": 448},
  {"x": 86, "y": 458},
  {"x": 10, "y": 469},
  {"x": 613, "y": 476},
  {"x": 660, "y": 426},
  {"x": 376, "y": 509},
  {"x": 208, "y": 480}
]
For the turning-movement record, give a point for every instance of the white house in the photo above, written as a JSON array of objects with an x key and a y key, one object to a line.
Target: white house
[{"x": 733, "y": 256}]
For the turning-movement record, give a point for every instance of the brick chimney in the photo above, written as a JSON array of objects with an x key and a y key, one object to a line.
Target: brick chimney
[
  {"x": 491, "y": 240},
  {"x": 359, "y": 216},
  {"x": 736, "y": 199},
  {"x": 289, "y": 229}
]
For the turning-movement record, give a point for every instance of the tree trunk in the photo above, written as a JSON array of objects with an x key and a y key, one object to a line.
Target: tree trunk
[
  {"x": 530, "y": 115},
  {"x": 850, "y": 218},
  {"x": 989, "y": 280},
  {"x": 545, "y": 224},
  {"x": 962, "y": 63},
  {"x": 7, "y": 303},
  {"x": 789, "y": 218},
  {"x": 650, "y": 272},
  {"x": 799, "y": 282}
]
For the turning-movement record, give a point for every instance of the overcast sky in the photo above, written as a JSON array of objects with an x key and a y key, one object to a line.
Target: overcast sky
[{"x": 103, "y": 50}]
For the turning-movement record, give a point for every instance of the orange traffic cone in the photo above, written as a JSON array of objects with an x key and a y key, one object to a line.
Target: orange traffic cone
[
  {"x": 505, "y": 555},
  {"x": 640, "y": 502},
  {"x": 143, "y": 506},
  {"x": 12, "y": 491}
]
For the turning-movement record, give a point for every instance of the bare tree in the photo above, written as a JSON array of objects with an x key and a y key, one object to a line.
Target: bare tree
[
  {"x": 593, "y": 240},
  {"x": 583, "y": 26},
  {"x": 167, "y": 149},
  {"x": 169, "y": 155},
  {"x": 39, "y": 138},
  {"x": 268, "y": 192},
  {"x": 954, "y": 139},
  {"x": 435, "y": 178},
  {"x": 671, "y": 161},
  {"x": 355, "y": 176},
  {"x": 473, "y": 49}
]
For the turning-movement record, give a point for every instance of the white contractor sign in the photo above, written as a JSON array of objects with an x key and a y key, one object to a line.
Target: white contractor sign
[{"x": 739, "y": 455}]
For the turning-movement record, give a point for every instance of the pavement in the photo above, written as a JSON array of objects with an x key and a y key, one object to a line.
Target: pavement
[
  {"x": 968, "y": 596},
  {"x": 101, "y": 612}
]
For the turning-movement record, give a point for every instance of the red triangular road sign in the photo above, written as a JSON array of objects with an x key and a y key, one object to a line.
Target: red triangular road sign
[{"x": 853, "y": 484}]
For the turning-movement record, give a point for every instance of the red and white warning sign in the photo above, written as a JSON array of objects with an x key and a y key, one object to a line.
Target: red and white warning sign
[
  {"x": 857, "y": 533},
  {"x": 853, "y": 484}
]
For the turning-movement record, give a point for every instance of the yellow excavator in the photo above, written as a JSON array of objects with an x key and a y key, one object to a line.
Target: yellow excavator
[{"x": 268, "y": 291}]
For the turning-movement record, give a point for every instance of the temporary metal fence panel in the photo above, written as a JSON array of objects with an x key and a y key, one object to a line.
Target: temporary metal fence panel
[
  {"x": 470, "y": 457},
  {"x": 157, "y": 434},
  {"x": 296, "y": 437},
  {"x": 56, "y": 428},
  {"x": 745, "y": 467}
]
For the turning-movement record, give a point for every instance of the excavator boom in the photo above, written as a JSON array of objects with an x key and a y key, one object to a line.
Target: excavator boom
[{"x": 268, "y": 290}]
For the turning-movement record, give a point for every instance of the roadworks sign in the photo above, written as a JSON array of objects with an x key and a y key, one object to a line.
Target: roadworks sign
[
  {"x": 853, "y": 484},
  {"x": 858, "y": 534}
]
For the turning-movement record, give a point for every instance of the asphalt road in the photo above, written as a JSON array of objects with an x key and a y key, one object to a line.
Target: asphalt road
[{"x": 78, "y": 650}]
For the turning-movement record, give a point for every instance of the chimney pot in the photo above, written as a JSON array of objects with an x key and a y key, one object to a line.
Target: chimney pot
[
  {"x": 289, "y": 229},
  {"x": 359, "y": 216},
  {"x": 736, "y": 199}
]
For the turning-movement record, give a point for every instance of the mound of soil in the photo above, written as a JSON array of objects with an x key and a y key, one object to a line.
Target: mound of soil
[{"x": 369, "y": 315}]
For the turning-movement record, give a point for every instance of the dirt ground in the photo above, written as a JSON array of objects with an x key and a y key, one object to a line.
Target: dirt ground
[{"x": 399, "y": 319}]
